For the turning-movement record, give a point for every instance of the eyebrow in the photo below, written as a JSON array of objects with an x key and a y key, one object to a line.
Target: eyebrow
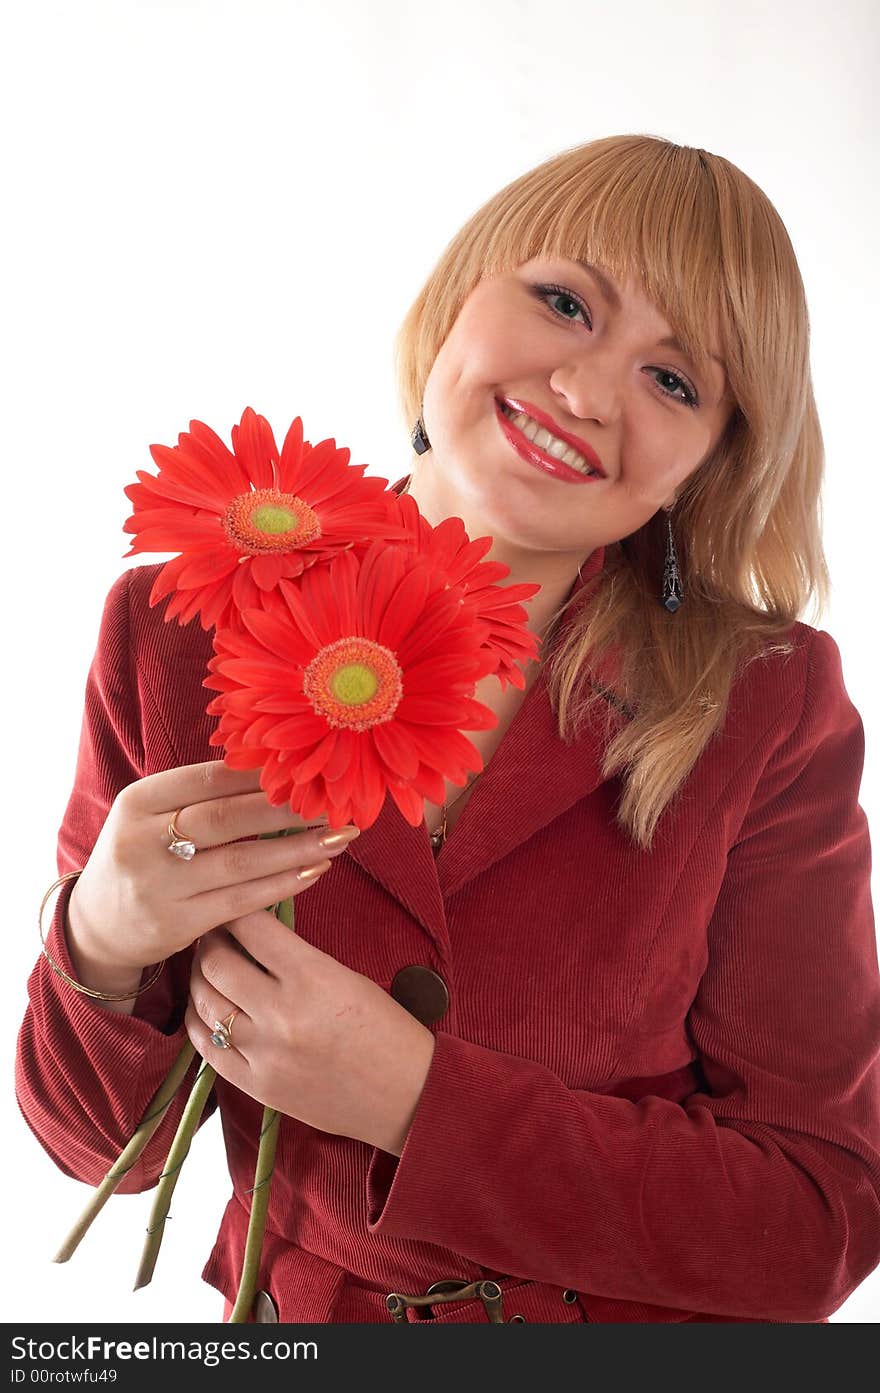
[{"x": 609, "y": 290}]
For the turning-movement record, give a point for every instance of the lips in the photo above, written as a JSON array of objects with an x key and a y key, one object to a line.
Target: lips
[
  {"x": 526, "y": 407},
  {"x": 540, "y": 458}
]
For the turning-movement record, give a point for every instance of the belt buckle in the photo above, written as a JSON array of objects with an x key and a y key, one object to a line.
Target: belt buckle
[{"x": 452, "y": 1290}]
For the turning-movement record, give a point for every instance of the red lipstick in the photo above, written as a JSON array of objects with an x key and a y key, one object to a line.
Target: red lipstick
[{"x": 548, "y": 423}]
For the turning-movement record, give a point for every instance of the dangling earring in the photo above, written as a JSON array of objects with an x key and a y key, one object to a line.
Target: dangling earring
[
  {"x": 673, "y": 592},
  {"x": 420, "y": 441}
]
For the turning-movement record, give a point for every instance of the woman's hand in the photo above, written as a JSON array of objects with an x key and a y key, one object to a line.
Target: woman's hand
[
  {"x": 134, "y": 905},
  {"x": 310, "y": 1038}
]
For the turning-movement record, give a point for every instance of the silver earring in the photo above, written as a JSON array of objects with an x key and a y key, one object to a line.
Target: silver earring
[
  {"x": 673, "y": 593},
  {"x": 419, "y": 438}
]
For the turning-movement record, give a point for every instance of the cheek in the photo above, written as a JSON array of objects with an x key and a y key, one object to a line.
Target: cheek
[
  {"x": 659, "y": 461},
  {"x": 483, "y": 353}
]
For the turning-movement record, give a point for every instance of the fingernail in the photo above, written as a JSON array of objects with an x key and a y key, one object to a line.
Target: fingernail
[
  {"x": 311, "y": 872},
  {"x": 334, "y": 839}
]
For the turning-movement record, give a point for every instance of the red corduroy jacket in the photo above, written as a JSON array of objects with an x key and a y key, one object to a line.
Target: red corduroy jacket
[{"x": 655, "y": 1093}]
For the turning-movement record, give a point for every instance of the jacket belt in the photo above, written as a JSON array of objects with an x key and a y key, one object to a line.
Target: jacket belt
[{"x": 456, "y": 1300}]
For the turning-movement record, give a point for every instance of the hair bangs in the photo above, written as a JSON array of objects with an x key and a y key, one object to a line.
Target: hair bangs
[{"x": 654, "y": 220}]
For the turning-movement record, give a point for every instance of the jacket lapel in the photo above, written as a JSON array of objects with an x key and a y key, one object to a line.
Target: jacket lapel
[{"x": 532, "y": 778}]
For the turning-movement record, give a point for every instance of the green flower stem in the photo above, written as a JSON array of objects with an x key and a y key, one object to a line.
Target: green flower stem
[
  {"x": 180, "y": 1149},
  {"x": 156, "y": 1110},
  {"x": 195, "y": 1106},
  {"x": 284, "y": 912},
  {"x": 253, "y": 1251}
]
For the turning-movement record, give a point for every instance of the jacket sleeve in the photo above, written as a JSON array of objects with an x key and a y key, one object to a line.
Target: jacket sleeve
[
  {"x": 758, "y": 1196},
  {"x": 83, "y": 1074}
]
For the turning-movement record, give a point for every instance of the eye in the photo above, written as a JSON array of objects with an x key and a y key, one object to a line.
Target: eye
[
  {"x": 572, "y": 302},
  {"x": 682, "y": 385},
  {"x": 559, "y": 292}
]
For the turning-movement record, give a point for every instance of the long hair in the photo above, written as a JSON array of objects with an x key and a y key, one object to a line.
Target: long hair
[{"x": 710, "y": 250}]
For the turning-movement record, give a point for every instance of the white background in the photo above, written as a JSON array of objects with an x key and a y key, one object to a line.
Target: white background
[{"x": 213, "y": 205}]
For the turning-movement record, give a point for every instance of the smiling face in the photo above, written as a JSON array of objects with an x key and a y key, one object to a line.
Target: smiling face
[{"x": 588, "y": 355}]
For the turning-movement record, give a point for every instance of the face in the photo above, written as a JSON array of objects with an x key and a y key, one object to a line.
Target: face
[{"x": 588, "y": 357}]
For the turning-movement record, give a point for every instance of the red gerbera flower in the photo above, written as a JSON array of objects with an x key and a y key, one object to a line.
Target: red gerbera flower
[
  {"x": 246, "y": 518},
  {"x": 449, "y": 549},
  {"x": 355, "y": 681}
]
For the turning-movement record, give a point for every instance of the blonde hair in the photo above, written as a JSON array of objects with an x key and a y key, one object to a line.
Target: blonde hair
[{"x": 714, "y": 256}]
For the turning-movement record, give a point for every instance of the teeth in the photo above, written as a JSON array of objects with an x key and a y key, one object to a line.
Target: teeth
[
  {"x": 542, "y": 437},
  {"x": 558, "y": 448}
]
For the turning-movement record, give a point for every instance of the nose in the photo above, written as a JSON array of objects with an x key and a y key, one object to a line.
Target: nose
[{"x": 589, "y": 387}]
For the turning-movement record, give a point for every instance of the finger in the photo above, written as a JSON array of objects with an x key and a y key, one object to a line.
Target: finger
[
  {"x": 271, "y": 942},
  {"x": 251, "y": 896},
  {"x": 235, "y": 862},
  {"x": 230, "y": 1064},
  {"x": 191, "y": 783},
  {"x": 227, "y": 971},
  {"x": 213, "y": 1008},
  {"x": 228, "y": 819}
]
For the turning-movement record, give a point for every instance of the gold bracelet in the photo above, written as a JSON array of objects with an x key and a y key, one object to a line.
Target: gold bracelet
[{"x": 88, "y": 991}]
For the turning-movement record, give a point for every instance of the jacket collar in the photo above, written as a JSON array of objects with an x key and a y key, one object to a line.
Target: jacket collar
[{"x": 532, "y": 778}]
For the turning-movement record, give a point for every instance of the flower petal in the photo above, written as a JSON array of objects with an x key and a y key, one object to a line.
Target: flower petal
[
  {"x": 207, "y": 566},
  {"x": 409, "y": 802},
  {"x": 319, "y": 758},
  {"x": 395, "y": 749},
  {"x": 460, "y": 712},
  {"x": 343, "y": 756},
  {"x": 405, "y": 606},
  {"x": 246, "y": 594},
  {"x": 207, "y": 447},
  {"x": 254, "y": 445},
  {"x": 265, "y": 570},
  {"x": 298, "y": 732},
  {"x": 272, "y": 630},
  {"x": 291, "y": 456},
  {"x": 455, "y": 671}
]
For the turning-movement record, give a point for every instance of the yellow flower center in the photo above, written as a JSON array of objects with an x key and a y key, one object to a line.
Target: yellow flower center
[
  {"x": 354, "y": 683},
  {"x": 271, "y": 519},
  {"x": 267, "y": 520}
]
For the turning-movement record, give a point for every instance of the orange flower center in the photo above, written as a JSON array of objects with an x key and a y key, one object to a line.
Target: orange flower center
[
  {"x": 266, "y": 520},
  {"x": 354, "y": 683}
]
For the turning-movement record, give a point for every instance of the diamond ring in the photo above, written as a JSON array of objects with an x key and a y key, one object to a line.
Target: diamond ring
[
  {"x": 180, "y": 846},
  {"x": 221, "y": 1035}
]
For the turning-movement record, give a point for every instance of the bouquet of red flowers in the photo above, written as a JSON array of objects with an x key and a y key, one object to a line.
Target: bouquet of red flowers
[{"x": 349, "y": 635}]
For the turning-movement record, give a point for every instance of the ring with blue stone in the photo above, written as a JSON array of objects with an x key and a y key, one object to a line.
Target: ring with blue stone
[{"x": 221, "y": 1035}]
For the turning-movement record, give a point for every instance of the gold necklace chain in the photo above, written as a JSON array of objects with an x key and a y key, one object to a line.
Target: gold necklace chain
[{"x": 438, "y": 837}]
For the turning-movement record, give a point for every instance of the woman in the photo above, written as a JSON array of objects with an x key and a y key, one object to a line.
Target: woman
[{"x": 613, "y": 1041}]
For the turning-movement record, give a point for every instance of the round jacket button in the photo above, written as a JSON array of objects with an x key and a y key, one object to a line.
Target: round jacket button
[
  {"x": 421, "y": 992},
  {"x": 265, "y": 1310}
]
